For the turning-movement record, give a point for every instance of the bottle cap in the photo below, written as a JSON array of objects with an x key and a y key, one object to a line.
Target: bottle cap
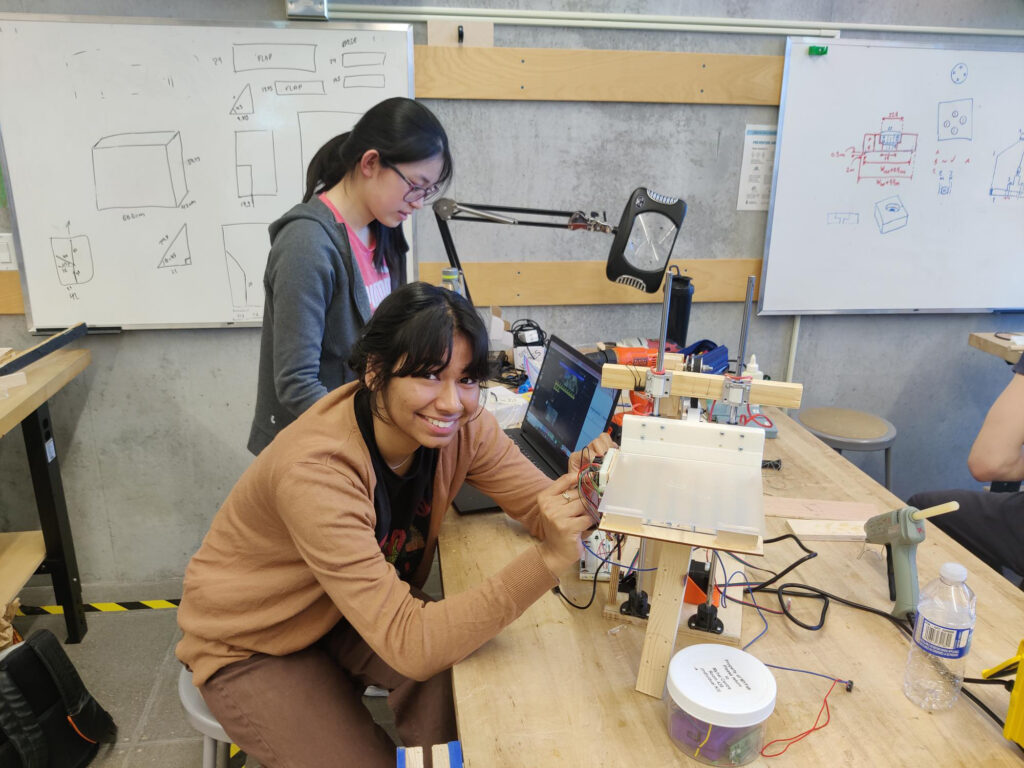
[{"x": 953, "y": 573}]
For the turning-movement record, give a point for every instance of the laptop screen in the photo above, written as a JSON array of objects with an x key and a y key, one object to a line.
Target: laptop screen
[{"x": 569, "y": 407}]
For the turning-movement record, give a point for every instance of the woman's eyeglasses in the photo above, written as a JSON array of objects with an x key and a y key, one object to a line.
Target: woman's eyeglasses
[{"x": 416, "y": 192}]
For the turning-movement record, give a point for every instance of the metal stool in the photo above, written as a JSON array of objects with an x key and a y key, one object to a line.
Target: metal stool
[
  {"x": 847, "y": 430},
  {"x": 216, "y": 743}
]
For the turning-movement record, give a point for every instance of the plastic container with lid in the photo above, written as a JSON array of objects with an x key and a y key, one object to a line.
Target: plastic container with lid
[{"x": 718, "y": 699}]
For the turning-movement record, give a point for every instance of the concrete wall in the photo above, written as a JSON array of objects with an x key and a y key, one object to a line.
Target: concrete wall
[{"x": 152, "y": 435}]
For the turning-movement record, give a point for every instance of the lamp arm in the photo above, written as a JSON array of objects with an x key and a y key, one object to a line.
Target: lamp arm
[{"x": 449, "y": 248}]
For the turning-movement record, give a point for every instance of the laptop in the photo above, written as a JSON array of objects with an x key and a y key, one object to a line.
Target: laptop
[{"x": 567, "y": 410}]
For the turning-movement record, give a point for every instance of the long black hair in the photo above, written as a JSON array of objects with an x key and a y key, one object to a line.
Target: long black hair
[
  {"x": 402, "y": 131},
  {"x": 412, "y": 333}
]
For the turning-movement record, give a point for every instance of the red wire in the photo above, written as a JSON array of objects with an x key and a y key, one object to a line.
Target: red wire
[{"x": 794, "y": 739}]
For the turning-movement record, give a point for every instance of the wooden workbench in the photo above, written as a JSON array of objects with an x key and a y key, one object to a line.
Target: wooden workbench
[
  {"x": 1001, "y": 348},
  {"x": 50, "y": 549},
  {"x": 556, "y": 687}
]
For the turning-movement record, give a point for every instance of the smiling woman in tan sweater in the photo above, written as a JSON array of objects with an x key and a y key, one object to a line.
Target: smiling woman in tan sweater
[{"x": 306, "y": 588}]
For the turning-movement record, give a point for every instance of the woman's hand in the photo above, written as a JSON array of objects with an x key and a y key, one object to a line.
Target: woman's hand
[
  {"x": 597, "y": 447},
  {"x": 563, "y": 518}
]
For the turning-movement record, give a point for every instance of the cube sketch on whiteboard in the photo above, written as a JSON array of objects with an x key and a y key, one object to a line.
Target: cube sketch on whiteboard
[
  {"x": 250, "y": 56},
  {"x": 178, "y": 253},
  {"x": 73, "y": 258},
  {"x": 1008, "y": 173},
  {"x": 139, "y": 170},
  {"x": 890, "y": 214},
  {"x": 243, "y": 104},
  {"x": 245, "y": 255},
  {"x": 956, "y": 120},
  {"x": 255, "y": 163}
]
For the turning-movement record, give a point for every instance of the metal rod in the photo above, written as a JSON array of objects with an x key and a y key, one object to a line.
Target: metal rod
[
  {"x": 453, "y": 257},
  {"x": 660, "y": 367},
  {"x": 747, "y": 307}
]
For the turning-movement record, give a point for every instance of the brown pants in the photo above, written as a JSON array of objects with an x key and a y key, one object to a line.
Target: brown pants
[{"x": 305, "y": 710}]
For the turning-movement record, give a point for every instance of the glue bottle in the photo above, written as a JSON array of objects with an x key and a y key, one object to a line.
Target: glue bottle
[
  {"x": 755, "y": 373},
  {"x": 942, "y": 639}
]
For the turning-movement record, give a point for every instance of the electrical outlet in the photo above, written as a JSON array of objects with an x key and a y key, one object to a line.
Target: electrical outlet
[{"x": 7, "y": 259}]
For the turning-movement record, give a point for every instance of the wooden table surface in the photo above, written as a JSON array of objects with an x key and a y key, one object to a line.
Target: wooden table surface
[
  {"x": 1001, "y": 348},
  {"x": 45, "y": 377},
  {"x": 556, "y": 688}
]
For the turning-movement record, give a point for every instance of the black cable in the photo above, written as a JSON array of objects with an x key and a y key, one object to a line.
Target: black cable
[
  {"x": 904, "y": 627},
  {"x": 593, "y": 591},
  {"x": 524, "y": 326}
]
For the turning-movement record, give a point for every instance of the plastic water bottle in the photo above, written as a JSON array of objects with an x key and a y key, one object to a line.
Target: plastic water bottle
[
  {"x": 942, "y": 639},
  {"x": 452, "y": 279}
]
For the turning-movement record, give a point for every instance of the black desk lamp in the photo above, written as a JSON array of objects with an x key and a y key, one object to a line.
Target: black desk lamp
[
  {"x": 639, "y": 253},
  {"x": 638, "y": 257}
]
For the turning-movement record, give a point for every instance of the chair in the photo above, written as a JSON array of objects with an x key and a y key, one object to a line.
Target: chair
[
  {"x": 216, "y": 743},
  {"x": 848, "y": 430}
]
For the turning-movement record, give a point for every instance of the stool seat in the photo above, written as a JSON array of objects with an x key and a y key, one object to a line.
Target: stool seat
[
  {"x": 845, "y": 429},
  {"x": 216, "y": 742}
]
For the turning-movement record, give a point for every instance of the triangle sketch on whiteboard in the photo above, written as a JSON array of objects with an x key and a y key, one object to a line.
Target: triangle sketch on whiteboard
[
  {"x": 243, "y": 104},
  {"x": 178, "y": 253}
]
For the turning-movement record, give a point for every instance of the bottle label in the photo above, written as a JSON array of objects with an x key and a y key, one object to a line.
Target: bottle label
[{"x": 942, "y": 641}]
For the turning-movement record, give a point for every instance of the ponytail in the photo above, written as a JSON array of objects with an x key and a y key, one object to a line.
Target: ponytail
[{"x": 327, "y": 166}]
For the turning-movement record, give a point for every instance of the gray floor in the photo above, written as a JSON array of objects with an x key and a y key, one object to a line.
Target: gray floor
[{"x": 127, "y": 662}]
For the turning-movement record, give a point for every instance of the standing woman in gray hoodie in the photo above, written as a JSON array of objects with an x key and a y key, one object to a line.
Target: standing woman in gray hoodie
[{"x": 337, "y": 254}]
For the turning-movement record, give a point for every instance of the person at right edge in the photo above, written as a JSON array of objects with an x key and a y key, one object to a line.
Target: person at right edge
[
  {"x": 991, "y": 525},
  {"x": 338, "y": 253}
]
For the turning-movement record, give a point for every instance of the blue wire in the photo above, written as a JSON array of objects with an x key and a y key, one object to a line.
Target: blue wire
[
  {"x": 609, "y": 560},
  {"x": 776, "y": 666}
]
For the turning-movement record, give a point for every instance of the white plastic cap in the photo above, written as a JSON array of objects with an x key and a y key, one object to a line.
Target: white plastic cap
[
  {"x": 721, "y": 685},
  {"x": 752, "y": 370},
  {"x": 953, "y": 573}
]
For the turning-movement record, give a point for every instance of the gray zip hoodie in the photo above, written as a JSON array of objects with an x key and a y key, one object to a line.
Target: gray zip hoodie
[{"x": 316, "y": 305}]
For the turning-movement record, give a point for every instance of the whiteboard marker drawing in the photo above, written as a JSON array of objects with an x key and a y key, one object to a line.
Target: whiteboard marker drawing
[
  {"x": 363, "y": 59},
  {"x": 316, "y": 128},
  {"x": 297, "y": 56},
  {"x": 956, "y": 120},
  {"x": 958, "y": 74},
  {"x": 888, "y": 156},
  {"x": 255, "y": 164},
  {"x": 945, "y": 182},
  {"x": 1008, "y": 172},
  {"x": 299, "y": 87},
  {"x": 364, "y": 81},
  {"x": 245, "y": 254},
  {"x": 139, "y": 170},
  {"x": 842, "y": 217},
  {"x": 72, "y": 257},
  {"x": 243, "y": 104},
  {"x": 890, "y": 214},
  {"x": 178, "y": 253}
]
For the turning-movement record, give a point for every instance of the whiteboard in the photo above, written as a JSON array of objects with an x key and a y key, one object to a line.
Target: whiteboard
[
  {"x": 898, "y": 181},
  {"x": 145, "y": 160}
]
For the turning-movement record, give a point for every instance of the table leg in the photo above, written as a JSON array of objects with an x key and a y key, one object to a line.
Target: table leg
[
  {"x": 663, "y": 622},
  {"x": 60, "y": 563}
]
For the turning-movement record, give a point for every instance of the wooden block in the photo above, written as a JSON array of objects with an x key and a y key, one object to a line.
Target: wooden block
[
  {"x": 566, "y": 283},
  {"x": 410, "y": 757},
  {"x": 439, "y": 756},
  {"x": 663, "y": 622},
  {"x": 550, "y": 74},
  {"x": 446, "y": 32},
  {"x": 820, "y": 509},
  {"x": 827, "y": 530},
  {"x": 707, "y": 386}
]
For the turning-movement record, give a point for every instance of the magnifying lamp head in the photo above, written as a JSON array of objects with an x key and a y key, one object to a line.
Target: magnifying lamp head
[{"x": 644, "y": 238}]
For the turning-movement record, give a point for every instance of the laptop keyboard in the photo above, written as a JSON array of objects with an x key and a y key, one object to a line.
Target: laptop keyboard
[{"x": 528, "y": 451}]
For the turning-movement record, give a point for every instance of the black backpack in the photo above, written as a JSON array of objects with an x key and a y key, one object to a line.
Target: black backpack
[{"x": 47, "y": 717}]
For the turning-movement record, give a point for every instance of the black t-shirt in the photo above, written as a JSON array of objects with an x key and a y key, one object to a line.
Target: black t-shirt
[{"x": 402, "y": 502}]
